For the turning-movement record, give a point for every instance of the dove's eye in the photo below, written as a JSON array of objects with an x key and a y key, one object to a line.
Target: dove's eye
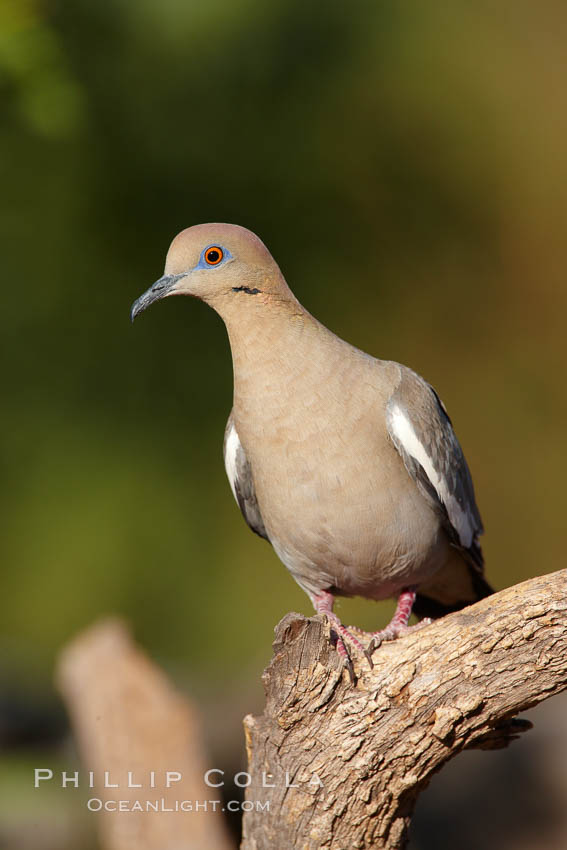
[{"x": 214, "y": 255}]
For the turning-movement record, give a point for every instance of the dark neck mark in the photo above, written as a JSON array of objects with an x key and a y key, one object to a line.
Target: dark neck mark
[{"x": 246, "y": 289}]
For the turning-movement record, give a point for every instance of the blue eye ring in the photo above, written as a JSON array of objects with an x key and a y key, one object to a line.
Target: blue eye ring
[{"x": 213, "y": 255}]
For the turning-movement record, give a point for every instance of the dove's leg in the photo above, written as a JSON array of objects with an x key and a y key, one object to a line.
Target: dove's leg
[
  {"x": 323, "y": 603},
  {"x": 398, "y": 625}
]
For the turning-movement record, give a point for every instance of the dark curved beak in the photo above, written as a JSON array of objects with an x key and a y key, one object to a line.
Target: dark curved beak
[{"x": 159, "y": 289}]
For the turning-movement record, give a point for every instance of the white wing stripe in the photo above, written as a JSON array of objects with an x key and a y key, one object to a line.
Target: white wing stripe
[
  {"x": 405, "y": 433},
  {"x": 231, "y": 448}
]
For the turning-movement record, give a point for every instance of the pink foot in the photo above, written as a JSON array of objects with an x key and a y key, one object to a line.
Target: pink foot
[
  {"x": 323, "y": 603},
  {"x": 347, "y": 635},
  {"x": 398, "y": 625}
]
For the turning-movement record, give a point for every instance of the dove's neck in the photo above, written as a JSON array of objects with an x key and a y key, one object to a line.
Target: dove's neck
[{"x": 280, "y": 353}]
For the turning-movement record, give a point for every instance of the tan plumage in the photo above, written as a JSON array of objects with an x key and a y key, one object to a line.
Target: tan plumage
[{"x": 347, "y": 464}]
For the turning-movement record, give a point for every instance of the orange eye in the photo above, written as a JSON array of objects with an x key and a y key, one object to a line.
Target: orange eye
[{"x": 214, "y": 255}]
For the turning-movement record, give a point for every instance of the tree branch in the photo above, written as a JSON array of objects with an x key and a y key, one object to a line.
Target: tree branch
[{"x": 357, "y": 757}]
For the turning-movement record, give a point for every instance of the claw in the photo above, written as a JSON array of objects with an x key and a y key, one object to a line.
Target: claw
[
  {"x": 349, "y": 666},
  {"x": 346, "y": 636},
  {"x": 343, "y": 652},
  {"x": 373, "y": 645}
]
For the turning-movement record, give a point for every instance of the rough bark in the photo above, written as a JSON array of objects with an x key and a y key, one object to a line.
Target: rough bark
[{"x": 347, "y": 762}]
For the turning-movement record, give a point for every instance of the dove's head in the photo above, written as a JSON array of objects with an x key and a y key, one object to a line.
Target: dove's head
[{"x": 217, "y": 263}]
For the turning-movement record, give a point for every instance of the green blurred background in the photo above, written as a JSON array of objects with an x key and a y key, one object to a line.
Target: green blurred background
[{"x": 406, "y": 165}]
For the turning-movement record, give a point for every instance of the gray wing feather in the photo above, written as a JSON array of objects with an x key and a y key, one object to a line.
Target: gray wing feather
[
  {"x": 239, "y": 472},
  {"x": 421, "y": 431}
]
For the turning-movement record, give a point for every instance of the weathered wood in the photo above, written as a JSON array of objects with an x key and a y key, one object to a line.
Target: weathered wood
[
  {"x": 129, "y": 719},
  {"x": 358, "y": 756}
]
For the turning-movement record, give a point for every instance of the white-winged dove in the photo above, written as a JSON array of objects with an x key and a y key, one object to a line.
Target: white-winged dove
[{"x": 348, "y": 465}]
